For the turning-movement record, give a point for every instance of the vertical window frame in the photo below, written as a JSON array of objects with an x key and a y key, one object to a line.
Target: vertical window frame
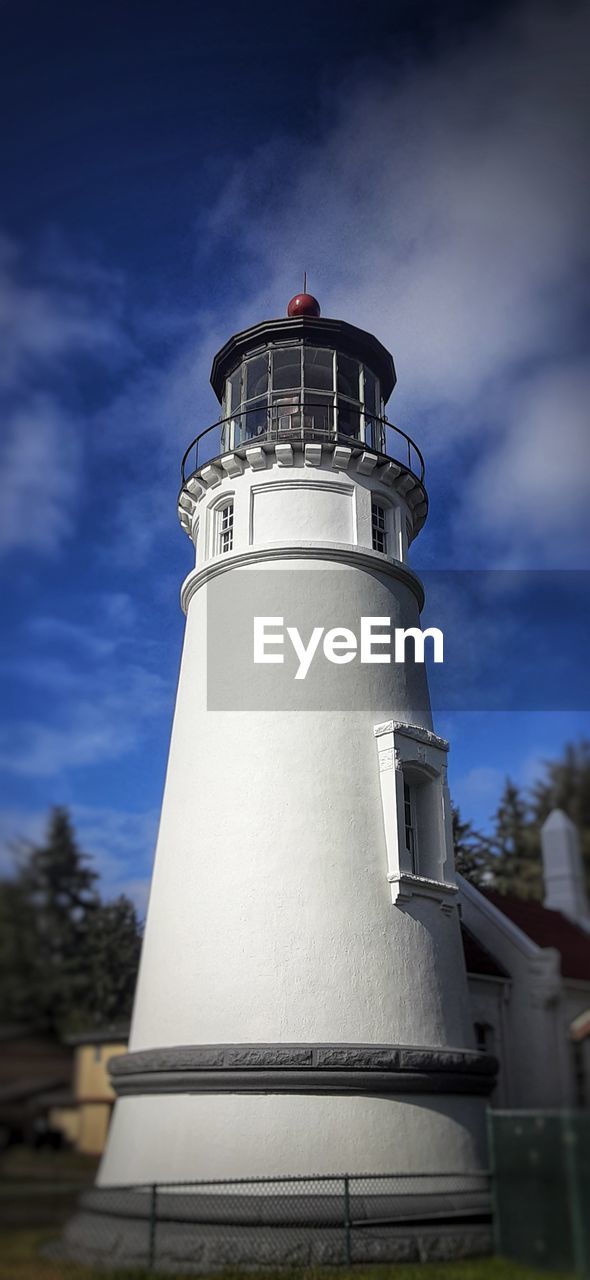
[
  {"x": 224, "y": 527},
  {"x": 379, "y": 525}
]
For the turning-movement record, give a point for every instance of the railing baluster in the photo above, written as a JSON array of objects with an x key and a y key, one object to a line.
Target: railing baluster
[
  {"x": 347, "y": 1221},
  {"x": 153, "y": 1222}
]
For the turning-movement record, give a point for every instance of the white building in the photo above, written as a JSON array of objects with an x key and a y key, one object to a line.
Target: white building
[
  {"x": 529, "y": 980},
  {"x": 302, "y": 1005}
]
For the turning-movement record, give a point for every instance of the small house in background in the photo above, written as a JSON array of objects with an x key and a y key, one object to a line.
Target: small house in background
[
  {"x": 84, "y": 1116},
  {"x": 35, "y": 1072},
  {"x": 528, "y": 966}
]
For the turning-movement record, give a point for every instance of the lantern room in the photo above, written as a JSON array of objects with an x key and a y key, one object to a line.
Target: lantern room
[{"x": 318, "y": 377}]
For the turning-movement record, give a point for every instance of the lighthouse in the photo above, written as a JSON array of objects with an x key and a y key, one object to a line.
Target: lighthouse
[{"x": 302, "y": 1007}]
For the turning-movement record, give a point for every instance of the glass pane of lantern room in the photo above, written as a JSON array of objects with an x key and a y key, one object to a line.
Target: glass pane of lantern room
[
  {"x": 233, "y": 391},
  {"x": 254, "y": 419},
  {"x": 286, "y": 368},
  {"x": 370, "y": 393},
  {"x": 318, "y": 413},
  {"x": 256, "y": 377},
  {"x": 348, "y": 377},
  {"x": 318, "y": 368},
  {"x": 372, "y": 427},
  {"x": 349, "y": 419}
]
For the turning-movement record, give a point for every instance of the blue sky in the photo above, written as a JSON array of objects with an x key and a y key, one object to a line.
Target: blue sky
[{"x": 170, "y": 169}]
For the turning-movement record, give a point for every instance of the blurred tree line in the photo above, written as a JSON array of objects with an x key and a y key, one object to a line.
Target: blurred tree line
[
  {"x": 509, "y": 857},
  {"x": 68, "y": 959}
]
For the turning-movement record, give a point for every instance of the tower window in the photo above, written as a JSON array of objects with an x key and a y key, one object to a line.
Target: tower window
[
  {"x": 410, "y": 825},
  {"x": 225, "y": 527},
  {"x": 379, "y": 517}
]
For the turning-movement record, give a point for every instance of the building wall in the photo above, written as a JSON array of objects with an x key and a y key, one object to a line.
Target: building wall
[
  {"x": 67, "y": 1121},
  {"x": 489, "y": 998},
  {"x": 94, "y": 1094},
  {"x": 532, "y": 1024}
]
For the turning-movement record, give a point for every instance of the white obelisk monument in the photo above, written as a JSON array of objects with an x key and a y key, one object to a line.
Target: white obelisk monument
[{"x": 302, "y": 1002}]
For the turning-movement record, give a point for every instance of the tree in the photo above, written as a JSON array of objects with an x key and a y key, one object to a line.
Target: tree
[
  {"x": 566, "y": 785},
  {"x": 515, "y": 843},
  {"x": 113, "y": 944},
  {"x": 67, "y": 959},
  {"x": 473, "y": 857}
]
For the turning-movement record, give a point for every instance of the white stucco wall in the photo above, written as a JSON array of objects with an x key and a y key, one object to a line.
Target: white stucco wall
[
  {"x": 237, "y": 1135},
  {"x": 270, "y": 914}
]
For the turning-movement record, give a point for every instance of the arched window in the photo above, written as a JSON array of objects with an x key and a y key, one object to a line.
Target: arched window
[{"x": 224, "y": 516}]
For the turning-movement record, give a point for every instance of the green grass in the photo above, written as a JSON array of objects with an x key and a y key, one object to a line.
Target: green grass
[
  {"x": 39, "y": 1191},
  {"x": 21, "y": 1258}
]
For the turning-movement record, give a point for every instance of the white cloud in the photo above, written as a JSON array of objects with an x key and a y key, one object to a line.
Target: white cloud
[
  {"x": 100, "y": 715},
  {"x": 444, "y": 209},
  {"x": 39, "y": 477},
  {"x": 45, "y": 319},
  {"x": 531, "y": 491},
  {"x": 49, "y": 314}
]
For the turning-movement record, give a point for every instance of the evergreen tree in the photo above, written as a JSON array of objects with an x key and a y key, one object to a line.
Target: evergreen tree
[
  {"x": 67, "y": 959},
  {"x": 515, "y": 842},
  {"x": 473, "y": 858},
  {"x": 113, "y": 944}
]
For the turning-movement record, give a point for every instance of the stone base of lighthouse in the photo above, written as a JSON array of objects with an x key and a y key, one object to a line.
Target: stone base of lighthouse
[{"x": 416, "y": 1188}]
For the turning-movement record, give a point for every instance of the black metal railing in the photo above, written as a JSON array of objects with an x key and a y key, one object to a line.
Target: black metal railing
[
  {"x": 283, "y": 1221},
  {"x": 303, "y": 420}
]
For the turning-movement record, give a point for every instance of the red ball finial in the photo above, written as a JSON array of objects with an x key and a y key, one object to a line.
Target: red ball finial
[{"x": 303, "y": 304}]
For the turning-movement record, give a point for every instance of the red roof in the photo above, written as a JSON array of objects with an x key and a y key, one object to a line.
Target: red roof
[
  {"x": 548, "y": 929},
  {"x": 477, "y": 958}
]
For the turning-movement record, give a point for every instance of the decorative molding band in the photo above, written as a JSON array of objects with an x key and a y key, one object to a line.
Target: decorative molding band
[
  {"x": 411, "y": 731},
  {"x": 339, "y": 552},
  {"x": 355, "y": 460},
  {"x": 291, "y": 1068}
]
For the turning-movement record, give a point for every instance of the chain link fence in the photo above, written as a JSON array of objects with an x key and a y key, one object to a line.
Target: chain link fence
[
  {"x": 200, "y": 1227},
  {"x": 541, "y": 1187}
]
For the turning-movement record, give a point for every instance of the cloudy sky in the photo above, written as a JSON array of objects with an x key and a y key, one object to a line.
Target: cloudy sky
[{"x": 170, "y": 169}]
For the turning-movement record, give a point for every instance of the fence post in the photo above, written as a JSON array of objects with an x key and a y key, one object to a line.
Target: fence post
[
  {"x": 153, "y": 1222},
  {"x": 347, "y": 1221},
  {"x": 494, "y": 1187},
  {"x": 569, "y": 1138}
]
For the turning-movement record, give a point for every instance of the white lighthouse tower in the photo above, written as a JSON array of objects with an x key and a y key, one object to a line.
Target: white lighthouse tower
[{"x": 302, "y": 1004}]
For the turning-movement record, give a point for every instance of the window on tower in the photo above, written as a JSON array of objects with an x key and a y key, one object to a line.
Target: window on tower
[
  {"x": 225, "y": 527},
  {"x": 379, "y": 521},
  {"x": 410, "y": 825}
]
